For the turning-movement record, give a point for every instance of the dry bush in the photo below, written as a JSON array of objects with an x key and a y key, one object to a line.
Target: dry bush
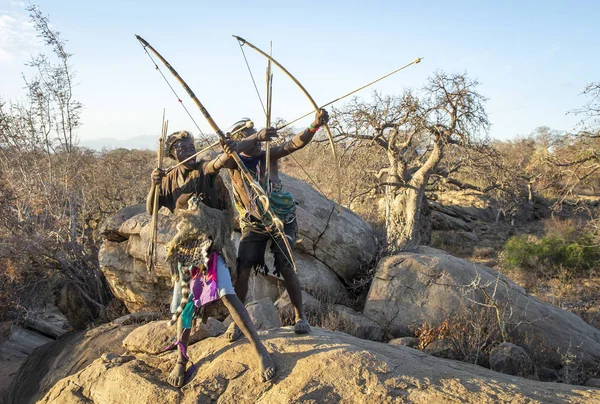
[
  {"x": 472, "y": 334},
  {"x": 483, "y": 252}
]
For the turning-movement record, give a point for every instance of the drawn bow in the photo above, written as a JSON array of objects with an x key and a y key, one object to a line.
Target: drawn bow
[
  {"x": 242, "y": 41},
  {"x": 262, "y": 197}
]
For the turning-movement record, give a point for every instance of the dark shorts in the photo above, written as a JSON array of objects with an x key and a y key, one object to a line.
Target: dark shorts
[{"x": 253, "y": 243}]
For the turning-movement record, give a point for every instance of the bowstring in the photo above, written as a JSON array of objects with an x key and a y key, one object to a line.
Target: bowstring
[
  {"x": 313, "y": 182},
  {"x": 253, "y": 81},
  {"x": 283, "y": 236},
  {"x": 204, "y": 137}
]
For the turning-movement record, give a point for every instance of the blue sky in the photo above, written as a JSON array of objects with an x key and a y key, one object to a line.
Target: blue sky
[{"x": 533, "y": 59}]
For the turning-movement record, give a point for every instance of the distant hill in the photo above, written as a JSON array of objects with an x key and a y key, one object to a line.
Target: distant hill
[{"x": 138, "y": 142}]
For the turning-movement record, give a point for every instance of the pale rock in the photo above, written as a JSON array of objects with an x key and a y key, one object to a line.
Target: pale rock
[
  {"x": 49, "y": 321},
  {"x": 429, "y": 286},
  {"x": 405, "y": 341},
  {"x": 263, "y": 314},
  {"x": 319, "y": 367},
  {"x": 154, "y": 337},
  {"x": 284, "y": 305},
  {"x": 513, "y": 360},
  {"x": 357, "y": 324},
  {"x": 342, "y": 241}
]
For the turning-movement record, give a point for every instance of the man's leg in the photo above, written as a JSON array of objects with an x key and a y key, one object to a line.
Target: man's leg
[
  {"x": 283, "y": 263},
  {"x": 251, "y": 253},
  {"x": 242, "y": 319},
  {"x": 177, "y": 376}
]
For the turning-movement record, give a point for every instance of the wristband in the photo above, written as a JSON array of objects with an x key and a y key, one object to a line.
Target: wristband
[{"x": 312, "y": 128}]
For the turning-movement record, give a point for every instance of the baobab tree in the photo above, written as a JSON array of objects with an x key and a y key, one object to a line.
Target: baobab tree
[{"x": 414, "y": 130}]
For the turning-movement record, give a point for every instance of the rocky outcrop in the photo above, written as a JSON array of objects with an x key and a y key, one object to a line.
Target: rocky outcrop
[
  {"x": 40, "y": 326},
  {"x": 154, "y": 337},
  {"x": 332, "y": 247},
  {"x": 320, "y": 367},
  {"x": 14, "y": 350},
  {"x": 430, "y": 286},
  {"x": 48, "y": 321},
  {"x": 342, "y": 241},
  {"x": 56, "y": 360}
]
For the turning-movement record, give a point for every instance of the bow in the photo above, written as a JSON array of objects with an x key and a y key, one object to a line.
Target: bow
[
  {"x": 262, "y": 197},
  {"x": 151, "y": 253},
  {"x": 315, "y": 106}
]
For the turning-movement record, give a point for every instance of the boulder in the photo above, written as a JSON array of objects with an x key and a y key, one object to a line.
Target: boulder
[
  {"x": 21, "y": 343},
  {"x": 466, "y": 204},
  {"x": 261, "y": 287},
  {"x": 315, "y": 277},
  {"x": 333, "y": 245},
  {"x": 405, "y": 341},
  {"x": 263, "y": 314},
  {"x": 284, "y": 305},
  {"x": 342, "y": 241},
  {"x": 130, "y": 281},
  {"x": 48, "y": 321},
  {"x": 429, "y": 286},
  {"x": 14, "y": 350},
  {"x": 593, "y": 382},
  {"x": 442, "y": 221},
  {"x": 441, "y": 348},
  {"x": 111, "y": 229},
  {"x": 58, "y": 359},
  {"x": 322, "y": 366},
  {"x": 513, "y": 360},
  {"x": 154, "y": 337},
  {"x": 356, "y": 324}
]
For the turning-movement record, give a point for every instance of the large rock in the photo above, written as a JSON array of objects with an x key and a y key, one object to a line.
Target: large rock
[
  {"x": 284, "y": 304},
  {"x": 342, "y": 241},
  {"x": 154, "y": 337},
  {"x": 130, "y": 281},
  {"x": 56, "y": 360},
  {"x": 356, "y": 324},
  {"x": 48, "y": 321},
  {"x": 261, "y": 287},
  {"x": 430, "y": 286},
  {"x": 315, "y": 277},
  {"x": 263, "y": 314},
  {"x": 319, "y": 367},
  {"x": 513, "y": 360},
  {"x": 112, "y": 228},
  {"x": 333, "y": 245},
  {"x": 442, "y": 221},
  {"x": 14, "y": 350}
]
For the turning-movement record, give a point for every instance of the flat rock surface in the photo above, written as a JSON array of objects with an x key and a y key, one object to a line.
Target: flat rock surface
[{"x": 320, "y": 367}]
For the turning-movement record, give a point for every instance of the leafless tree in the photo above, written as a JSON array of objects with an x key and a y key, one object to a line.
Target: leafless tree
[{"x": 414, "y": 130}]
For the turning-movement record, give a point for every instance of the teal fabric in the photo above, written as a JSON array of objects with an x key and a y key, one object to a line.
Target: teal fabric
[
  {"x": 188, "y": 313},
  {"x": 283, "y": 205}
]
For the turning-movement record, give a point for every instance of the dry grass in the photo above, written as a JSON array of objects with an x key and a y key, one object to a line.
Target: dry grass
[{"x": 452, "y": 242}]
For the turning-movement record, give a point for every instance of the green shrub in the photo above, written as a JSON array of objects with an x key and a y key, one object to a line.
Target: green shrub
[{"x": 574, "y": 251}]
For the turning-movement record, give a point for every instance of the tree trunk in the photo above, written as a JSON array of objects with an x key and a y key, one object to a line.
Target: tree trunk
[{"x": 408, "y": 223}]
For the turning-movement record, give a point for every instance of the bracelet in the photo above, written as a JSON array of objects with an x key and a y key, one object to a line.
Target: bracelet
[{"x": 312, "y": 128}]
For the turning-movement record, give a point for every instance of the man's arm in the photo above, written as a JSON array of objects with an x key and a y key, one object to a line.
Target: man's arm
[
  {"x": 224, "y": 160},
  {"x": 150, "y": 200},
  {"x": 157, "y": 176},
  {"x": 302, "y": 139},
  {"x": 216, "y": 164}
]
